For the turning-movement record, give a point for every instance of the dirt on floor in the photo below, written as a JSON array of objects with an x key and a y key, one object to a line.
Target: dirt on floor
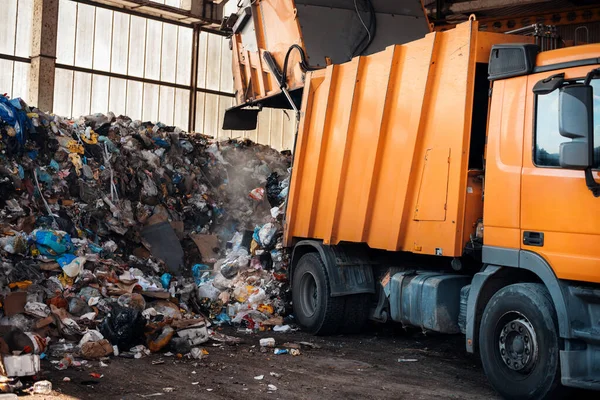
[{"x": 382, "y": 364}]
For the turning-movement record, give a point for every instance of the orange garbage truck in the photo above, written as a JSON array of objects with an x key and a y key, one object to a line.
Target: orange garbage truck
[{"x": 449, "y": 183}]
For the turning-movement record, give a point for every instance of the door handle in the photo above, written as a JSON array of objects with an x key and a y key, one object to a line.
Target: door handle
[{"x": 533, "y": 238}]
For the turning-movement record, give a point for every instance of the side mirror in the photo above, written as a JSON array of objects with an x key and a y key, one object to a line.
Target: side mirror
[{"x": 576, "y": 122}]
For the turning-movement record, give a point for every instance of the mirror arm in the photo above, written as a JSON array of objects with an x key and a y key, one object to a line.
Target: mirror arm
[
  {"x": 591, "y": 182},
  {"x": 591, "y": 75}
]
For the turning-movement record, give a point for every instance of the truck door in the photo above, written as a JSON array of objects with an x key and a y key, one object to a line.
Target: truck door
[{"x": 560, "y": 218}]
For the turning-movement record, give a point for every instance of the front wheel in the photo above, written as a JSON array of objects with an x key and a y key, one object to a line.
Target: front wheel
[
  {"x": 518, "y": 342},
  {"x": 316, "y": 311}
]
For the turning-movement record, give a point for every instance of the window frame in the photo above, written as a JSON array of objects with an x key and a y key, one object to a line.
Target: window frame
[{"x": 534, "y": 141}]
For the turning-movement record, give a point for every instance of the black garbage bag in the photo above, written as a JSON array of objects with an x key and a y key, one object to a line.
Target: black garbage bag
[
  {"x": 273, "y": 190},
  {"x": 124, "y": 327}
]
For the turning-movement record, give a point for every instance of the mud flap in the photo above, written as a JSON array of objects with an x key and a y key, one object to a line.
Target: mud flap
[{"x": 240, "y": 119}]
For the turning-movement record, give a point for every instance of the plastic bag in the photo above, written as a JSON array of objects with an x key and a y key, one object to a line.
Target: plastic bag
[
  {"x": 265, "y": 234},
  {"x": 124, "y": 327},
  {"x": 209, "y": 291},
  {"x": 234, "y": 262},
  {"x": 75, "y": 267},
  {"x": 52, "y": 243},
  {"x": 90, "y": 336}
]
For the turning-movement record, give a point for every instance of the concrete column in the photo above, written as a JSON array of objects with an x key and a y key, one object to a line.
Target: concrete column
[{"x": 43, "y": 54}]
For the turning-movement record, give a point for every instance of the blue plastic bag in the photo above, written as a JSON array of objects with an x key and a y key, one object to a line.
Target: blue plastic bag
[
  {"x": 165, "y": 279},
  {"x": 198, "y": 271},
  {"x": 52, "y": 244}
]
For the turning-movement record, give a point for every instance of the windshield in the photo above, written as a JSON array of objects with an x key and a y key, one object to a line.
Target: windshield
[{"x": 547, "y": 137}]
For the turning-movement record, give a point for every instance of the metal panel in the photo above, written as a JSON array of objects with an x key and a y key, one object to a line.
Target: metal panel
[{"x": 433, "y": 191}]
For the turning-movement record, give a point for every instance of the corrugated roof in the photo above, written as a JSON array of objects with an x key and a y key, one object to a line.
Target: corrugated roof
[{"x": 511, "y": 11}]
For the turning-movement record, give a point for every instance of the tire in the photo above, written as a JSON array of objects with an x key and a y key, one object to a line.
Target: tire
[
  {"x": 518, "y": 342},
  {"x": 356, "y": 312},
  {"x": 315, "y": 310}
]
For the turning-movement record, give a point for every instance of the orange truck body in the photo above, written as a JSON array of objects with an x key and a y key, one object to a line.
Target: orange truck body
[{"x": 383, "y": 149}]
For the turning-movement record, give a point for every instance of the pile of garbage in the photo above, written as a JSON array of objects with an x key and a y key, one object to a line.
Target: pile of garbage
[{"x": 127, "y": 236}]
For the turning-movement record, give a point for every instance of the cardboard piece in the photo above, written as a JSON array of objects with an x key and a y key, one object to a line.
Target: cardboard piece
[
  {"x": 14, "y": 303},
  {"x": 207, "y": 244}
]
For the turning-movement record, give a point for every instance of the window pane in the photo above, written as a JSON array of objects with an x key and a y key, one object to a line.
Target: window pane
[
  {"x": 596, "y": 86},
  {"x": 226, "y": 67},
  {"x": 182, "y": 107},
  {"x": 21, "y": 80},
  {"x": 224, "y": 103},
  {"x": 6, "y": 76},
  {"x": 547, "y": 136},
  {"x": 184, "y": 56},
  {"x": 211, "y": 115},
  {"x": 134, "y": 99},
  {"x": 213, "y": 71},
  {"x": 120, "y": 43},
  {"x": 8, "y": 21},
  {"x": 84, "y": 41},
  {"x": 65, "y": 45},
  {"x": 82, "y": 91},
  {"x": 100, "y": 85},
  {"x": 153, "y": 49},
  {"x": 200, "y": 96},
  {"x": 150, "y": 111},
  {"x": 548, "y": 139},
  {"x": 63, "y": 92},
  {"x": 166, "y": 105},
  {"x": 102, "y": 40},
  {"x": 169, "y": 53},
  {"x": 118, "y": 96},
  {"x": 202, "y": 54},
  {"x": 24, "y": 20},
  {"x": 137, "y": 46}
]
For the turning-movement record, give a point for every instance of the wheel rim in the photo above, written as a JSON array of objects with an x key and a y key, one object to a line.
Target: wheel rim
[
  {"x": 517, "y": 342},
  {"x": 308, "y": 294}
]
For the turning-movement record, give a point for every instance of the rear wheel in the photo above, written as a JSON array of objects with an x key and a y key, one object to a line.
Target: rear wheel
[
  {"x": 518, "y": 342},
  {"x": 316, "y": 311}
]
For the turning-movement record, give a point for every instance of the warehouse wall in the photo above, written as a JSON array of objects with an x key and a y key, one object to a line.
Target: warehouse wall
[{"x": 112, "y": 61}]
